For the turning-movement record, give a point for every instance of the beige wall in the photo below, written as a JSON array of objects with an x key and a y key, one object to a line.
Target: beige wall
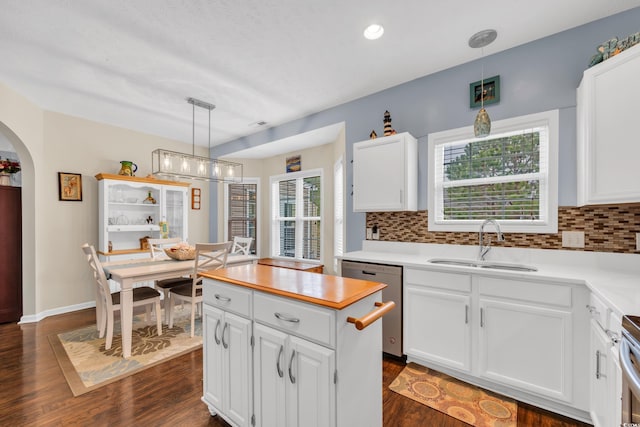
[
  {"x": 320, "y": 157},
  {"x": 56, "y": 276}
]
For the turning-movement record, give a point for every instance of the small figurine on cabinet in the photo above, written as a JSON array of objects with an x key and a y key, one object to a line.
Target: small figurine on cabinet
[
  {"x": 388, "y": 130},
  {"x": 373, "y": 134},
  {"x": 149, "y": 220}
]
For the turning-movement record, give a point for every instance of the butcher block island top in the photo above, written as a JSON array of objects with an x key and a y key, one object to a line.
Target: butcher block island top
[{"x": 328, "y": 291}]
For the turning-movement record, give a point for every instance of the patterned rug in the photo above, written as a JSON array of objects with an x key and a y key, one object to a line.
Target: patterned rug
[
  {"x": 460, "y": 400},
  {"x": 87, "y": 365}
]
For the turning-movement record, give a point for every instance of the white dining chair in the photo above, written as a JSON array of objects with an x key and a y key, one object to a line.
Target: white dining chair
[
  {"x": 241, "y": 245},
  {"x": 209, "y": 256},
  {"x": 108, "y": 303},
  {"x": 156, "y": 248}
]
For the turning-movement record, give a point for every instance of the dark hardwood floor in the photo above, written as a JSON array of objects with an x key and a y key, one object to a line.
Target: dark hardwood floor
[{"x": 33, "y": 391}]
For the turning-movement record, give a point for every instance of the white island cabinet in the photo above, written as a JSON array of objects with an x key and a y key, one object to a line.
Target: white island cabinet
[
  {"x": 385, "y": 174},
  {"x": 525, "y": 338},
  {"x": 607, "y": 137},
  {"x": 296, "y": 358}
]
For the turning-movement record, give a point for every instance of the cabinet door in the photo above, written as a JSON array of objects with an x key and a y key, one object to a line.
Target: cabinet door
[
  {"x": 608, "y": 151},
  {"x": 175, "y": 210},
  {"x": 437, "y": 327},
  {"x": 213, "y": 323},
  {"x": 385, "y": 174},
  {"x": 526, "y": 346},
  {"x": 269, "y": 367},
  {"x": 601, "y": 400},
  {"x": 310, "y": 384},
  {"x": 236, "y": 345}
]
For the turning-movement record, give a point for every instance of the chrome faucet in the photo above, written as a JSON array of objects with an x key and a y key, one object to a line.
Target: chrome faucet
[{"x": 484, "y": 249}]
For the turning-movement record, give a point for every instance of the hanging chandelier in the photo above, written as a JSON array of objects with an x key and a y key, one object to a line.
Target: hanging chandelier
[
  {"x": 180, "y": 165},
  {"x": 482, "y": 123}
]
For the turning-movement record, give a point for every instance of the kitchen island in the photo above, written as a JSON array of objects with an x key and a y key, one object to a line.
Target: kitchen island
[{"x": 289, "y": 347}]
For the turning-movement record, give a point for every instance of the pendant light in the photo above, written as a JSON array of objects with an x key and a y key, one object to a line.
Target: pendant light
[
  {"x": 180, "y": 165},
  {"x": 482, "y": 123}
]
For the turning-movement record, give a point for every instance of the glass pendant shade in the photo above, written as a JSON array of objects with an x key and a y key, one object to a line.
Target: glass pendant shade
[
  {"x": 482, "y": 124},
  {"x": 180, "y": 165}
]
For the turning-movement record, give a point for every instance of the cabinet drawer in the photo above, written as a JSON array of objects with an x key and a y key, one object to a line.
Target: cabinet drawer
[
  {"x": 227, "y": 297},
  {"x": 437, "y": 279},
  {"x": 297, "y": 318},
  {"x": 599, "y": 311},
  {"x": 543, "y": 293}
]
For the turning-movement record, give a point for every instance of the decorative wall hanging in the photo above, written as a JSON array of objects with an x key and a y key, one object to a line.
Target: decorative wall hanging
[
  {"x": 491, "y": 92},
  {"x": 69, "y": 187},
  {"x": 195, "y": 199},
  {"x": 294, "y": 164}
]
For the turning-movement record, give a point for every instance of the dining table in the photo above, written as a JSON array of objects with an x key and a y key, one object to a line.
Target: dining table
[{"x": 128, "y": 272}]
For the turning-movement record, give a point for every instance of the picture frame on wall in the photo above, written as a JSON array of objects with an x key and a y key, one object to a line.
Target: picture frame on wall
[
  {"x": 196, "y": 198},
  {"x": 491, "y": 88},
  {"x": 294, "y": 164},
  {"x": 69, "y": 187}
]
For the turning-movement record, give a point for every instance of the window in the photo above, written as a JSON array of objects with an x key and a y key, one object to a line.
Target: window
[
  {"x": 509, "y": 176},
  {"x": 241, "y": 211},
  {"x": 338, "y": 211},
  {"x": 296, "y": 214}
]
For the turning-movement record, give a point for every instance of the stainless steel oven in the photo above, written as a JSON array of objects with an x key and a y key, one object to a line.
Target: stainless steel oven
[{"x": 630, "y": 366}]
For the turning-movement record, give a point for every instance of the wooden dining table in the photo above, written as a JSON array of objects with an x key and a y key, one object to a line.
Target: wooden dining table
[{"x": 128, "y": 272}]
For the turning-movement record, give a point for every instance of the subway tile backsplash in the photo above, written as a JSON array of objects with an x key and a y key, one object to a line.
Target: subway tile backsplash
[{"x": 606, "y": 229}]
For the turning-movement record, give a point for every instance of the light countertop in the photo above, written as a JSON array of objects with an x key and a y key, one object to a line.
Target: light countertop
[{"x": 615, "y": 278}]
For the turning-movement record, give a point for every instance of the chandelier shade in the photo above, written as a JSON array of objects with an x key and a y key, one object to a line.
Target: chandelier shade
[{"x": 181, "y": 165}]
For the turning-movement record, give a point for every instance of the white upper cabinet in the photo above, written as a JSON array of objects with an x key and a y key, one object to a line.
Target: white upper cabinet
[
  {"x": 385, "y": 174},
  {"x": 607, "y": 136}
]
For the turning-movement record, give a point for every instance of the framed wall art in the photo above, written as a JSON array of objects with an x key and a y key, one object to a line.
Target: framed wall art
[
  {"x": 196, "y": 199},
  {"x": 491, "y": 88},
  {"x": 69, "y": 187},
  {"x": 294, "y": 164}
]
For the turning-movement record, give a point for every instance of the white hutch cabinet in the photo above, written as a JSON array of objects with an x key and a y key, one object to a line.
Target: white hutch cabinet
[
  {"x": 131, "y": 208},
  {"x": 385, "y": 174},
  {"x": 607, "y": 137}
]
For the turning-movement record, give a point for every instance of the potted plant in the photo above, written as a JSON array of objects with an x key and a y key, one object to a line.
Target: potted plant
[{"x": 7, "y": 168}]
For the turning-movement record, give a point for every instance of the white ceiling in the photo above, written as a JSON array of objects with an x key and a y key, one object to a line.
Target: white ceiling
[{"x": 132, "y": 63}]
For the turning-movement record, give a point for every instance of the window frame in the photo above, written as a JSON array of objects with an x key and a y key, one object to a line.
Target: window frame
[
  {"x": 245, "y": 180},
  {"x": 275, "y": 219},
  {"x": 549, "y": 201}
]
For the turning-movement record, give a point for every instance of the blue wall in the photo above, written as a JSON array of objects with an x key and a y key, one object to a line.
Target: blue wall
[{"x": 538, "y": 76}]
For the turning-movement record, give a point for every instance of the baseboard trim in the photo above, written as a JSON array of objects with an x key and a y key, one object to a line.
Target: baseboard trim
[{"x": 33, "y": 318}]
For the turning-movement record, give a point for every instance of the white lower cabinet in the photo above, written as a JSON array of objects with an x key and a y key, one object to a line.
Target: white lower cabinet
[
  {"x": 605, "y": 375},
  {"x": 515, "y": 336},
  {"x": 449, "y": 344},
  {"x": 526, "y": 346},
  {"x": 227, "y": 376},
  {"x": 293, "y": 380}
]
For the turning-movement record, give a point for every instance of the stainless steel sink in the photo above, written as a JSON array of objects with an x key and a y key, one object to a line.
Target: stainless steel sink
[
  {"x": 451, "y": 261},
  {"x": 482, "y": 264},
  {"x": 512, "y": 267}
]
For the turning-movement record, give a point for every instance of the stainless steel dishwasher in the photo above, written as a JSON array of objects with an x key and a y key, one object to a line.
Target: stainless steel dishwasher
[{"x": 391, "y": 275}]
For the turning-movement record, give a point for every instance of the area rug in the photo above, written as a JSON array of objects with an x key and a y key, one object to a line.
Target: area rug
[
  {"x": 87, "y": 365},
  {"x": 455, "y": 398}
]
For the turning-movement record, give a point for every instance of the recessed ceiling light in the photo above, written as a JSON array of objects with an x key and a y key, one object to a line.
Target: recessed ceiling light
[{"x": 374, "y": 31}]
